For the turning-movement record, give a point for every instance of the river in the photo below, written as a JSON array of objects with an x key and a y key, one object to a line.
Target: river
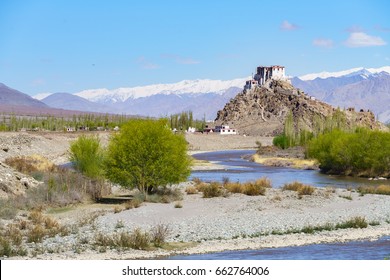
[
  {"x": 238, "y": 169},
  {"x": 356, "y": 250}
]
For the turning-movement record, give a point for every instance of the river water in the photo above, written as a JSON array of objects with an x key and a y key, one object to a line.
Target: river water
[
  {"x": 238, "y": 169},
  {"x": 356, "y": 250}
]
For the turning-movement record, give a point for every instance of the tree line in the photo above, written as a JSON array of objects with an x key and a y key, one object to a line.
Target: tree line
[{"x": 12, "y": 122}]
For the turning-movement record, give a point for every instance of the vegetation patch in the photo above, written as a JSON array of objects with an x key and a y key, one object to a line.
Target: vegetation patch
[
  {"x": 30, "y": 164},
  {"x": 364, "y": 152},
  {"x": 135, "y": 239},
  {"x": 382, "y": 189},
  {"x": 213, "y": 189},
  {"x": 300, "y": 188}
]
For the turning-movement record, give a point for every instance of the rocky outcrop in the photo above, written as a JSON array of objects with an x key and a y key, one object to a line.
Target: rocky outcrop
[
  {"x": 13, "y": 183},
  {"x": 262, "y": 111}
]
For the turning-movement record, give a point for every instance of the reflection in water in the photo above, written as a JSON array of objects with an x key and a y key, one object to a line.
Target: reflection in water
[{"x": 242, "y": 170}]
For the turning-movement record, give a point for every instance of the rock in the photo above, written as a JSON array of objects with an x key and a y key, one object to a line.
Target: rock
[{"x": 13, "y": 183}]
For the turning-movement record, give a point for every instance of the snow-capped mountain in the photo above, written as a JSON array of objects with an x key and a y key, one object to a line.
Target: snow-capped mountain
[
  {"x": 184, "y": 87},
  {"x": 366, "y": 88},
  {"x": 361, "y": 88},
  {"x": 346, "y": 73}
]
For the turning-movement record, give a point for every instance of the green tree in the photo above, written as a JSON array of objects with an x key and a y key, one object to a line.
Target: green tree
[
  {"x": 360, "y": 153},
  {"x": 145, "y": 154},
  {"x": 87, "y": 156}
]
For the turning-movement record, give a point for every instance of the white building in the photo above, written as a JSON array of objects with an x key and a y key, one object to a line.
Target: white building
[
  {"x": 251, "y": 84},
  {"x": 264, "y": 73},
  {"x": 225, "y": 130}
]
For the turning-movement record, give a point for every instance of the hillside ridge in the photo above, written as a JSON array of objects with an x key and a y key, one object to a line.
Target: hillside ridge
[{"x": 262, "y": 111}]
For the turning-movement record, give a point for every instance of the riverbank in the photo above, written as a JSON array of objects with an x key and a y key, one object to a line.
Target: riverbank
[
  {"x": 236, "y": 222},
  {"x": 293, "y": 157},
  {"x": 201, "y": 225}
]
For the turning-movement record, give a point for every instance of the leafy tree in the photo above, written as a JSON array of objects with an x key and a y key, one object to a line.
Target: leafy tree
[
  {"x": 359, "y": 153},
  {"x": 145, "y": 154},
  {"x": 87, "y": 156}
]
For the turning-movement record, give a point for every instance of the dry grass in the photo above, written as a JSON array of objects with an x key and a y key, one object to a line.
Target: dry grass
[
  {"x": 300, "y": 188},
  {"x": 29, "y": 164},
  {"x": 252, "y": 189},
  {"x": 36, "y": 216},
  {"x": 191, "y": 190},
  {"x": 178, "y": 204},
  {"x": 382, "y": 189},
  {"x": 159, "y": 234},
  {"x": 234, "y": 187},
  {"x": 36, "y": 234},
  {"x": 214, "y": 189},
  {"x": 257, "y": 187},
  {"x": 118, "y": 209},
  {"x": 137, "y": 239}
]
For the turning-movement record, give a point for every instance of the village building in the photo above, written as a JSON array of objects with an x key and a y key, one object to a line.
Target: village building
[{"x": 225, "y": 130}]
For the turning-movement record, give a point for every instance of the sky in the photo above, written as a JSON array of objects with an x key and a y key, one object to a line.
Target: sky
[{"x": 73, "y": 45}]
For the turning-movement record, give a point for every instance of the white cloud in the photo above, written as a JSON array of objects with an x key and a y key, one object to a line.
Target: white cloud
[
  {"x": 361, "y": 39},
  {"x": 323, "y": 43},
  {"x": 288, "y": 26}
]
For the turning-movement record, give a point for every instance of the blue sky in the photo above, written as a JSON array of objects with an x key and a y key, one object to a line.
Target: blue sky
[{"x": 69, "y": 46}]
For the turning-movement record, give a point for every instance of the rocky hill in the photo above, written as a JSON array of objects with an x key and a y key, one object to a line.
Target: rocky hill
[{"x": 262, "y": 111}]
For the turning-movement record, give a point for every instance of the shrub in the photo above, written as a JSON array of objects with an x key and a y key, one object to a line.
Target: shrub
[
  {"x": 101, "y": 239},
  {"x": 50, "y": 223},
  {"x": 294, "y": 186},
  {"x": 252, "y": 189},
  {"x": 87, "y": 156},
  {"x": 36, "y": 234},
  {"x": 214, "y": 189},
  {"x": 355, "y": 222},
  {"x": 281, "y": 141},
  {"x": 5, "y": 247},
  {"x": 178, "y": 205},
  {"x": 306, "y": 190},
  {"x": 36, "y": 217},
  {"x": 159, "y": 234},
  {"x": 257, "y": 187},
  {"x": 382, "y": 189},
  {"x": 300, "y": 188},
  {"x": 139, "y": 240},
  {"x": 191, "y": 190},
  {"x": 360, "y": 153},
  {"x": 235, "y": 187},
  {"x": 264, "y": 182},
  {"x": 145, "y": 154}
]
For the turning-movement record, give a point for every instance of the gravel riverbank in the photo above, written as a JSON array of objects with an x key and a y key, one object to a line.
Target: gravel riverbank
[
  {"x": 202, "y": 225},
  {"x": 228, "y": 223}
]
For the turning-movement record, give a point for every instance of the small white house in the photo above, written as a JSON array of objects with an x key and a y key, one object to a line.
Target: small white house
[
  {"x": 225, "y": 130},
  {"x": 191, "y": 129}
]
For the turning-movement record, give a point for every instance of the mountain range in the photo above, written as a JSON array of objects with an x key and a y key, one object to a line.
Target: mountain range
[
  {"x": 362, "y": 88},
  {"x": 367, "y": 89}
]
